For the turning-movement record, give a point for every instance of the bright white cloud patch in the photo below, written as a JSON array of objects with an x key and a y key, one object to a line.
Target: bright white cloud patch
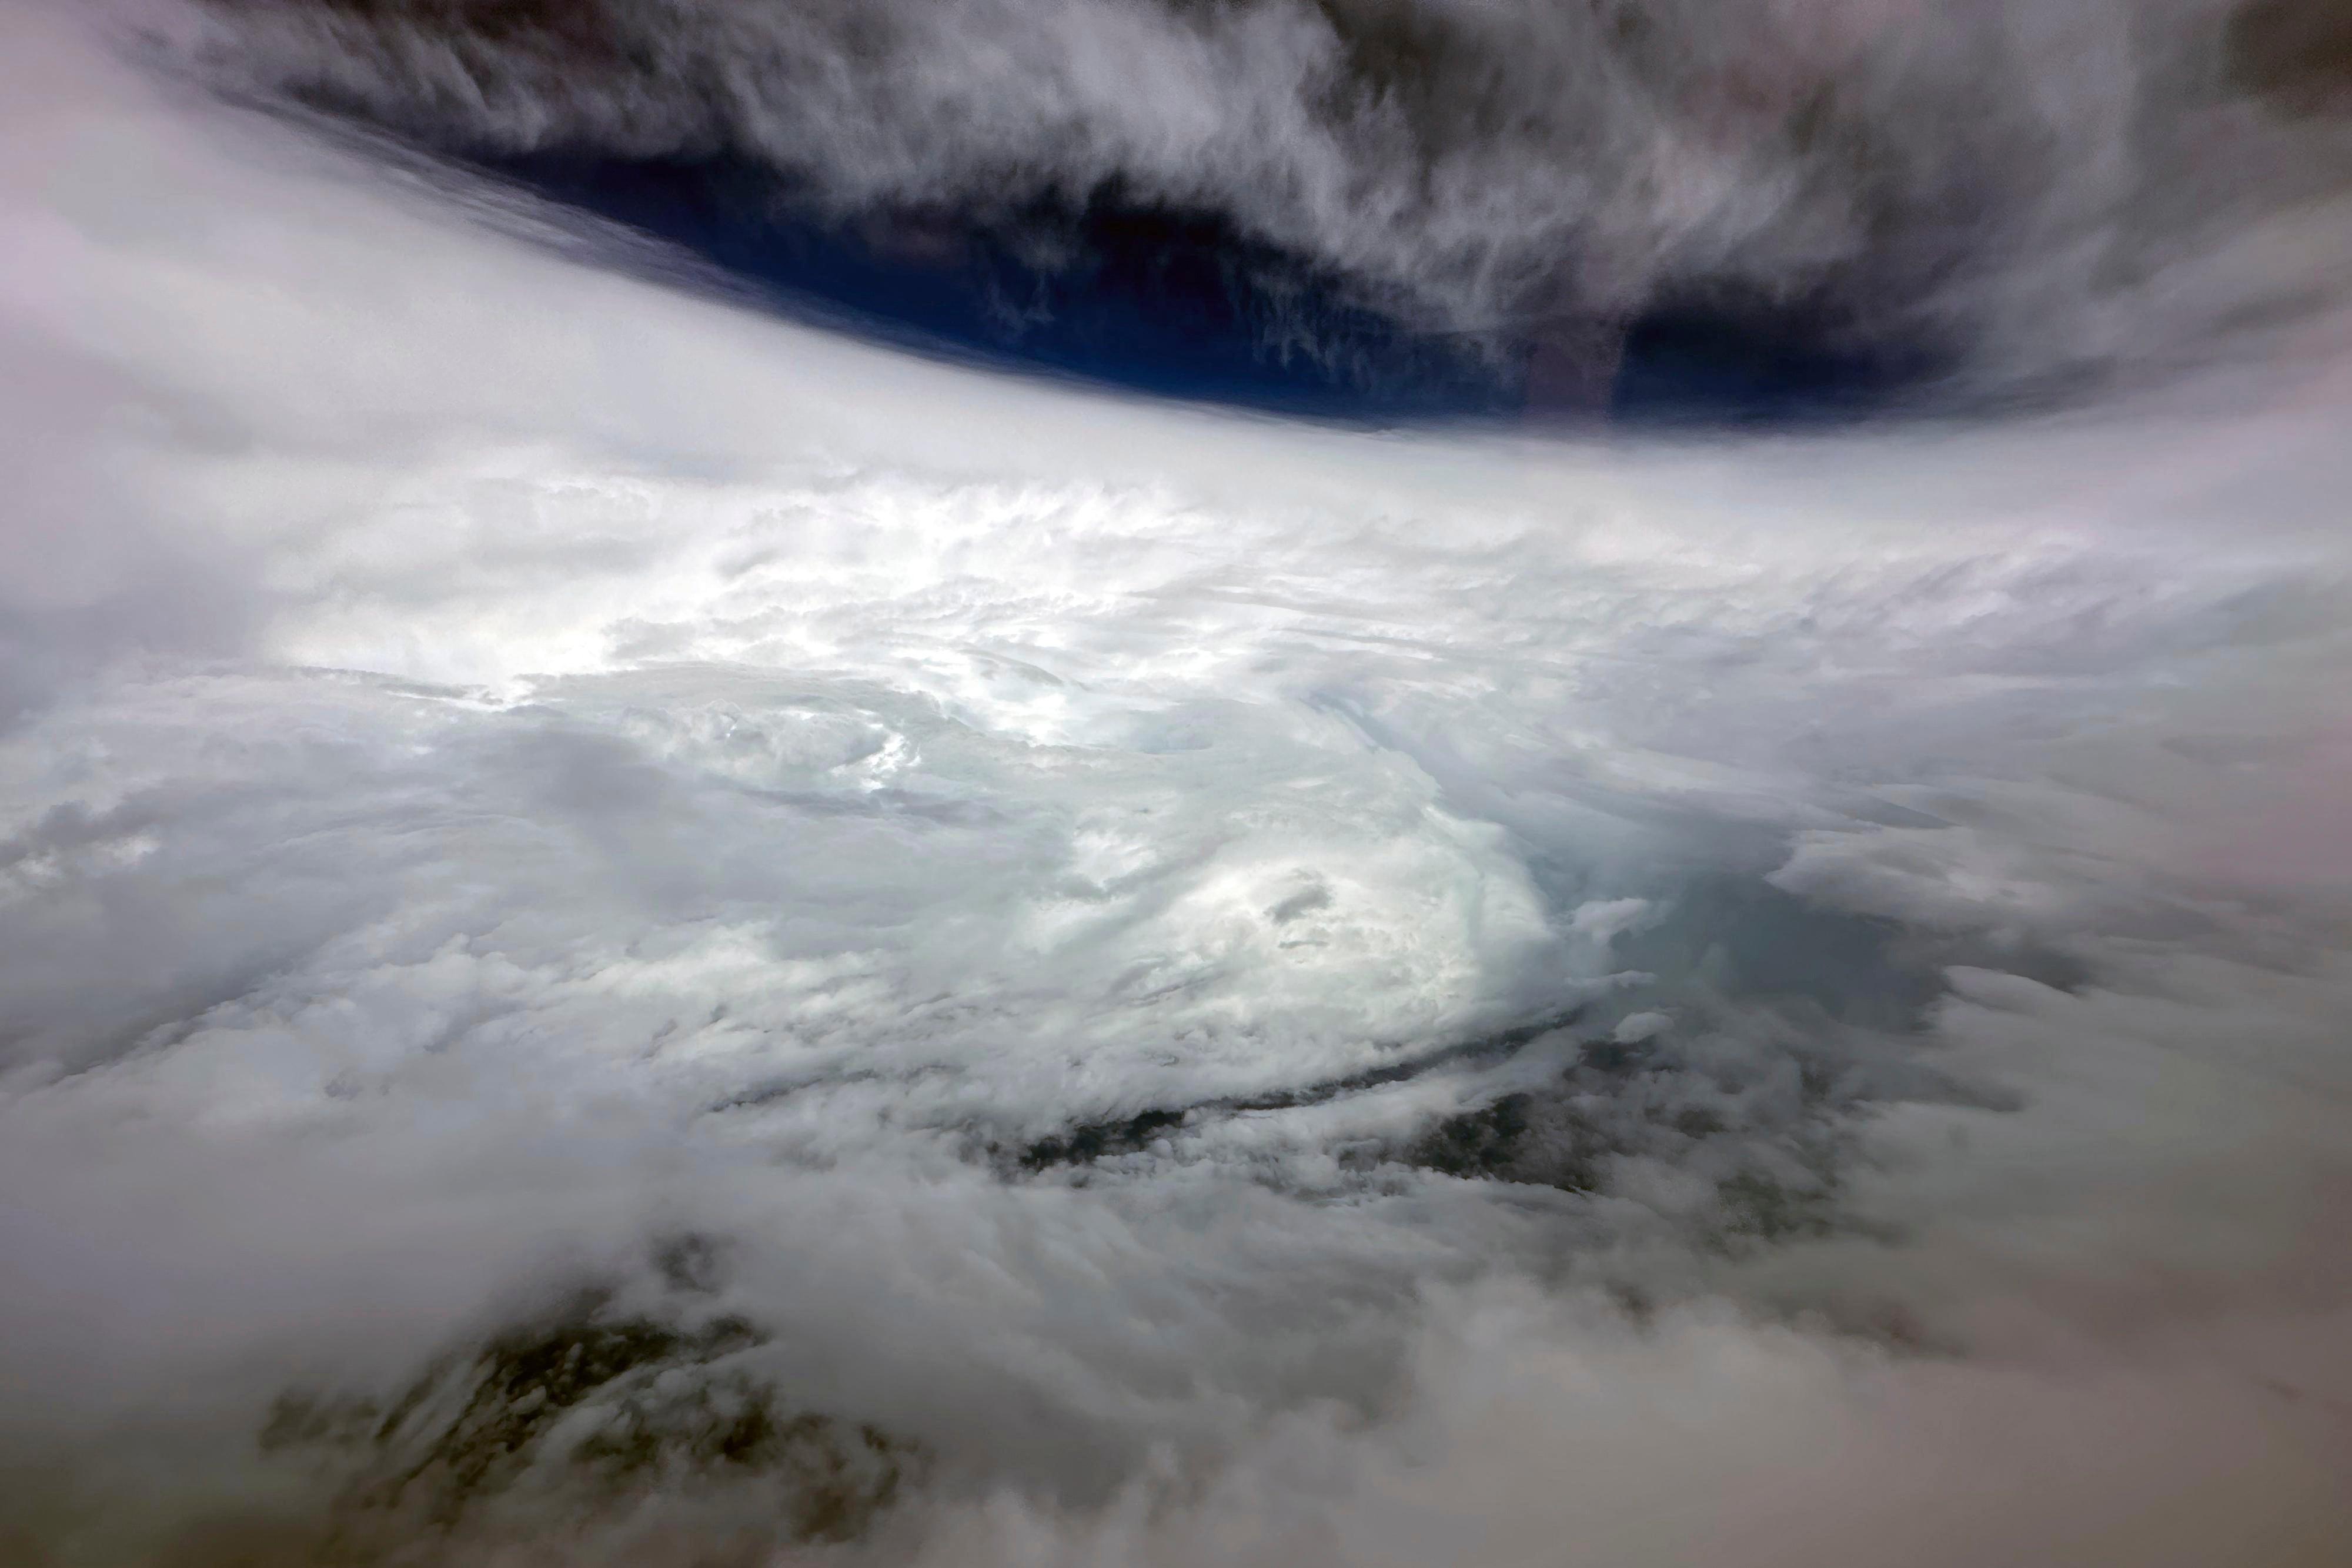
[{"x": 1138, "y": 987}]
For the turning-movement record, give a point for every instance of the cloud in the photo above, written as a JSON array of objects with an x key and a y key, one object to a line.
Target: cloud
[
  {"x": 1237, "y": 990},
  {"x": 2030, "y": 193},
  {"x": 1539, "y": 1430}
]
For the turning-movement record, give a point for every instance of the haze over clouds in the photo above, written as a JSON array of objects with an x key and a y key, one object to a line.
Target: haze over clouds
[{"x": 631, "y": 933}]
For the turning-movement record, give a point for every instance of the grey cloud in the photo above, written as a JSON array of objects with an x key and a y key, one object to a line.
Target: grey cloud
[{"x": 2051, "y": 191}]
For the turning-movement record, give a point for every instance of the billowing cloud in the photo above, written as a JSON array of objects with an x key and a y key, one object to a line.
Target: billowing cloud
[
  {"x": 630, "y": 933},
  {"x": 2011, "y": 196}
]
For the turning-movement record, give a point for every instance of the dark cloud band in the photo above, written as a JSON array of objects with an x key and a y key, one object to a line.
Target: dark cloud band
[{"x": 1395, "y": 207}]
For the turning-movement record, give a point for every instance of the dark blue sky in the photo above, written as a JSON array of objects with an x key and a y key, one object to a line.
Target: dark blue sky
[{"x": 1181, "y": 303}]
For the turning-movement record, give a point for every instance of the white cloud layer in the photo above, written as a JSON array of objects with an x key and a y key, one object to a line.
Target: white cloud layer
[{"x": 1076, "y": 905}]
